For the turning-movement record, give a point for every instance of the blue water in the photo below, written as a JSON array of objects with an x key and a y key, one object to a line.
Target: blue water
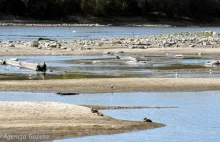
[
  {"x": 195, "y": 120},
  {"x": 30, "y": 33}
]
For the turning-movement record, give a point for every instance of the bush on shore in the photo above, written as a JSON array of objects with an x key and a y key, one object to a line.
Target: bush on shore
[{"x": 200, "y": 10}]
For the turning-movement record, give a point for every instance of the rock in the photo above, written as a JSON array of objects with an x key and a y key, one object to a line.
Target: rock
[
  {"x": 131, "y": 47},
  {"x": 193, "y": 45},
  {"x": 200, "y": 54},
  {"x": 108, "y": 53},
  {"x": 58, "y": 45},
  {"x": 63, "y": 47},
  {"x": 98, "y": 44},
  {"x": 53, "y": 44},
  {"x": 96, "y": 62},
  {"x": 69, "y": 49},
  {"x": 34, "y": 44},
  {"x": 11, "y": 45},
  {"x": 214, "y": 34},
  {"x": 119, "y": 52}
]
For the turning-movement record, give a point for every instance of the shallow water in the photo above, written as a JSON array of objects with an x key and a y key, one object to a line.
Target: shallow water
[
  {"x": 73, "y": 67},
  {"x": 30, "y": 33},
  {"x": 196, "y": 119}
]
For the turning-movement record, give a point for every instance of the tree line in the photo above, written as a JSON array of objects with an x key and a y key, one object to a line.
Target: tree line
[{"x": 61, "y": 9}]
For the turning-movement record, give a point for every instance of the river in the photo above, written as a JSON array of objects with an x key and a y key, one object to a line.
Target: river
[
  {"x": 70, "y": 33},
  {"x": 195, "y": 120}
]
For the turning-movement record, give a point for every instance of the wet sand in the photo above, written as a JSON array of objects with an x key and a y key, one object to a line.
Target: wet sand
[
  {"x": 64, "y": 120},
  {"x": 120, "y": 85}
]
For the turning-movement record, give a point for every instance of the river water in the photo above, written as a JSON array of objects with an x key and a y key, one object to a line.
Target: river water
[
  {"x": 70, "y": 33},
  {"x": 195, "y": 120},
  {"x": 73, "y": 67}
]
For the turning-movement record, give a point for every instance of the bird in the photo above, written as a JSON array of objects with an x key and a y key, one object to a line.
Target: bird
[
  {"x": 30, "y": 76},
  {"x": 112, "y": 86},
  {"x": 176, "y": 75},
  {"x": 210, "y": 71}
]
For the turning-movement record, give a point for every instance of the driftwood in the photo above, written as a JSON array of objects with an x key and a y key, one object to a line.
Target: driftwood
[
  {"x": 39, "y": 39},
  {"x": 32, "y": 66},
  {"x": 66, "y": 94},
  {"x": 12, "y": 63}
]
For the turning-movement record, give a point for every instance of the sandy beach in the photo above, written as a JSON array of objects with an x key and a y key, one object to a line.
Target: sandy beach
[{"x": 92, "y": 86}]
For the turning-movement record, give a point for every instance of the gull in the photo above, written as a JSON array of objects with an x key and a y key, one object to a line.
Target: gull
[
  {"x": 176, "y": 75},
  {"x": 210, "y": 71},
  {"x": 30, "y": 76}
]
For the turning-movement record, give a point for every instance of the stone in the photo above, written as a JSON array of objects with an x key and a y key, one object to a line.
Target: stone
[
  {"x": 63, "y": 47},
  {"x": 34, "y": 44},
  {"x": 193, "y": 45},
  {"x": 69, "y": 49},
  {"x": 53, "y": 45},
  {"x": 11, "y": 45}
]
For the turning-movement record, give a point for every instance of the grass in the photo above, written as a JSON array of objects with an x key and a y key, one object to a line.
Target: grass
[
  {"x": 179, "y": 66},
  {"x": 204, "y": 34}
]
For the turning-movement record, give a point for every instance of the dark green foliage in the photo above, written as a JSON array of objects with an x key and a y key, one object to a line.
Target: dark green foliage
[
  {"x": 14, "y": 7},
  {"x": 57, "y": 9}
]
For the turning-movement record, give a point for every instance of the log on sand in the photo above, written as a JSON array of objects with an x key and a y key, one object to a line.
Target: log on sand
[
  {"x": 32, "y": 66},
  {"x": 12, "y": 63},
  {"x": 36, "y": 67}
]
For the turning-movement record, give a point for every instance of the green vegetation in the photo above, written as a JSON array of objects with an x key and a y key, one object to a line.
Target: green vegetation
[
  {"x": 195, "y": 10},
  {"x": 204, "y": 34},
  {"x": 179, "y": 67}
]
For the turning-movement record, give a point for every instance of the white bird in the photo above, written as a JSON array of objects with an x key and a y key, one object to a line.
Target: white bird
[
  {"x": 30, "y": 76},
  {"x": 210, "y": 71},
  {"x": 176, "y": 75}
]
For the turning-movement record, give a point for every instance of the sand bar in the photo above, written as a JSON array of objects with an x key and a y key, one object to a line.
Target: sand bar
[
  {"x": 120, "y": 85},
  {"x": 64, "y": 120}
]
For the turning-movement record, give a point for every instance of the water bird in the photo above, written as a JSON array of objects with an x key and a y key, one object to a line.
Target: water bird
[
  {"x": 118, "y": 57},
  {"x": 147, "y": 120},
  {"x": 94, "y": 110},
  {"x": 74, "y": 31},
  {"x": 176, "y": 75},
  {"x": 112, "y": 86},
  {"x": 30, "y": 76},
  {"x": 210, "y": 71}
]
